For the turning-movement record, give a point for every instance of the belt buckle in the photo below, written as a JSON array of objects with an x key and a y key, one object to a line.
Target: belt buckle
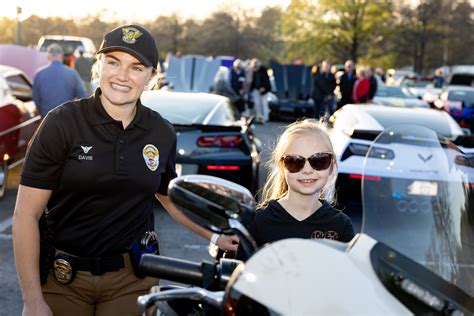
[{"x": 63, "y": 270}]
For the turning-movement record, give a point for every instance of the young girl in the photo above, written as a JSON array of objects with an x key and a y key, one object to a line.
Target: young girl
[{"x": 299, "y": 192}]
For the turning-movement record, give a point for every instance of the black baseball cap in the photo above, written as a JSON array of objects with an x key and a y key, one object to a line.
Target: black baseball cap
[{"x": 133, "y": 39}]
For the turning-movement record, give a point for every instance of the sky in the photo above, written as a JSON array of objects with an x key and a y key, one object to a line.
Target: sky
[{"x": 135, "y": 10}]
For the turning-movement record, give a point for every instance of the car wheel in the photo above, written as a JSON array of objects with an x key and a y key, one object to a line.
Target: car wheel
[{"x": 3, "y": 178}]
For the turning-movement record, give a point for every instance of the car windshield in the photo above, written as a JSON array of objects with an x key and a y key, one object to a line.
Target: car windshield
[
  {"x": 394, "y": 92},
  {"x": 465, "y": 96},
  {"x": 68, "y": 46},
  {"x": 422, "y": 204},
  {"x": 438, "y": 123}
]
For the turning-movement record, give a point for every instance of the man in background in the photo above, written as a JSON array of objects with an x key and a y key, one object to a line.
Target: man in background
[
  {"x": 346, "y": 83},
  {"x": 83, "y": 66},
  {"x": 56, "y": 83}
]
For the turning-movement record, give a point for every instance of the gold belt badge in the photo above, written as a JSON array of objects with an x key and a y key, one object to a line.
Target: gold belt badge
[{"x": 62, "y": 271}]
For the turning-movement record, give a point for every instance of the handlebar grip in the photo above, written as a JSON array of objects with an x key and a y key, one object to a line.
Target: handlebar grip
[{"x": 172, "y": 269}]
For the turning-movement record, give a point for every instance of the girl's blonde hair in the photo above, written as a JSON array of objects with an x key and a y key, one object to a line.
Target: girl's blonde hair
[{"x": 276, "y": 187}]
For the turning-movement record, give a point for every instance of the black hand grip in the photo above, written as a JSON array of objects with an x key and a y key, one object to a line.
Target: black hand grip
[{"x": 171, "y": 269}]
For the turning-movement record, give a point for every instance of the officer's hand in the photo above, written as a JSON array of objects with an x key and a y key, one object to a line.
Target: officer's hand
[
  {"x": 228, "y": 242},
  {"x": 38, "y": 309}
]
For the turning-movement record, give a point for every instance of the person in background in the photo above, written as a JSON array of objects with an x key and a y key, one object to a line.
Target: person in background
[
  {"x": 83, "y": 66},
  {"x": 299, "y": 193},
  {"x": 360, "y": 92},
  {"x": 91, "y": 179},
  {"x": 221, "y": 86},
  {"x": 323, "y": 90},
  {"x": 259, "y": 87},
  {"x": 372, "y": 84},
  {"x": 380, "y": 73},
  {"x": 56, "y": 83},
  {"x": 438, "y": 79},
  {"x": 237, "y": 82},
  {"x": 346, "y": 83}
]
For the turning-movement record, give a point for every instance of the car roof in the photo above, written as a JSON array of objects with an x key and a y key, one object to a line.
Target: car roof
[
  {"x": 407, "y": 115},
  {"x": 459, "y": 87},
  {"x": 195, "y": 97},
  {"x": 65, "y": 37}
]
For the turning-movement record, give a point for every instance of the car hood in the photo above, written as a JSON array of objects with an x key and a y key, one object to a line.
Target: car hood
[
  {"x": 191, "y": 73},
  {"x": 292, "y": 82}
]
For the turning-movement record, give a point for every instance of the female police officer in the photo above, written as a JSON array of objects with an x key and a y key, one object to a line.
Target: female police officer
[{"x": 96, "y": 164}]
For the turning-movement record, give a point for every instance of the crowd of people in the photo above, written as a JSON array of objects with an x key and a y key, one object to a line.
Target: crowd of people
[
  {"x": 353, "y": 86},
  {"x": 247, "y": 84}
]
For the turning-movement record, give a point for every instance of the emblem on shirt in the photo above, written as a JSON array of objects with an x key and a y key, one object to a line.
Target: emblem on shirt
[
  {"x": 130, "y": 35},
  {"x": 85, "y": 151},
  {"x": 151, "y": 156}
]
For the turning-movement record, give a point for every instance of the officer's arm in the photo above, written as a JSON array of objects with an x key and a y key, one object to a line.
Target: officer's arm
[
  {"x": 30, "y": 204},
  {"x": 224, "y": 242}
]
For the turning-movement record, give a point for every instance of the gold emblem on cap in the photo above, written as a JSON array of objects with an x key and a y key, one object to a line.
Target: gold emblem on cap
[
  {"x": 62, "y": 271},
  {"x": 130, "y": 35}
]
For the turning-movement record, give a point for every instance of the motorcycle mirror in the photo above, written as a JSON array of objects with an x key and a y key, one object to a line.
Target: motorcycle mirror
[{"x": 212, "y": 202}]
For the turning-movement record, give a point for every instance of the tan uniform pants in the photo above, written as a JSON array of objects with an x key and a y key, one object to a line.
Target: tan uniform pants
[{"x": 113, "y": 293}]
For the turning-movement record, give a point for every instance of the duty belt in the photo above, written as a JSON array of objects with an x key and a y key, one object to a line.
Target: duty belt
[{"x": 65, "y": 266}]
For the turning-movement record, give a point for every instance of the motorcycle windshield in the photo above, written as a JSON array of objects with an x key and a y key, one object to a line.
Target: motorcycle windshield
[{"x": 417, "y": 194}]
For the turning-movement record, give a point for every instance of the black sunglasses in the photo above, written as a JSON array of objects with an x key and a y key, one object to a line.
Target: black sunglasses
[{"x": 319, "y": 161}]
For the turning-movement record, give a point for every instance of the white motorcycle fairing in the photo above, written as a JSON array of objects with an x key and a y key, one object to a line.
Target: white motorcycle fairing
[{"x": 342, "y": 282}]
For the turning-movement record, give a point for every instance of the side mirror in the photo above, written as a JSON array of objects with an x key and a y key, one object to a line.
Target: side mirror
[{"x": 212, "y": 202}]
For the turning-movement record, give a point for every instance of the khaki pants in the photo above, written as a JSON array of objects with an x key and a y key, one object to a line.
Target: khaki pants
[{"x": 113, "y": 293}]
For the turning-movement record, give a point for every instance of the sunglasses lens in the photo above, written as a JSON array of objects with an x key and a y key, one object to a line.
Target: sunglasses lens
[
  {"x": 320, "y": 161},
  {"x": 294, "y": 163}
]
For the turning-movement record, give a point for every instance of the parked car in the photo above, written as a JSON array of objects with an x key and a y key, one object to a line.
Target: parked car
[
  {"x": 397, "y": 96},
  {"x": 19, "y": 119},
  {"x": 354, "y": 128},
  {"x": 422, "y": 87},
  {"x": 68, "y": 44},
  {"x": 212, "y": 139},
  {"x": 458, "y": 101}
]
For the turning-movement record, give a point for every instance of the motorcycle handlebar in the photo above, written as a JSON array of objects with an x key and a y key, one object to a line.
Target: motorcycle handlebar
[{"x": 168, "y": 268}]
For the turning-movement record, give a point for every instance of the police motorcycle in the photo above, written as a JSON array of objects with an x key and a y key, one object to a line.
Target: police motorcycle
[{"x": 414, "y": 254}]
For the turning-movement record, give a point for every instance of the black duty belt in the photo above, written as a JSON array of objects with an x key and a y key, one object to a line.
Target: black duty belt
[{"x": 65, "y": 266}]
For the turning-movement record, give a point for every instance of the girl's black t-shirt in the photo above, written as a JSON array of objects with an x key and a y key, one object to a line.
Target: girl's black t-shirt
[{"x": 275, "y": 223}]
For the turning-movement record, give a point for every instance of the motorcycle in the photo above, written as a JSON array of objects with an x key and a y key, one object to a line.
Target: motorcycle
[{"x": 414, "y": 254}]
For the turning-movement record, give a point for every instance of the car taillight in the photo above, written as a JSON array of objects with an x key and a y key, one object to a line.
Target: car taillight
[
  {"x": 218, "y": 167},
  {"x": 362, "y": 149},
  {"x": 369, "y": 178},
  {"x": 220, "y": 141}
]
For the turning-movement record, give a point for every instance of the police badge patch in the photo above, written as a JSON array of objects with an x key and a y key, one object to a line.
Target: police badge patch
[{"x": 151, "y": 156}]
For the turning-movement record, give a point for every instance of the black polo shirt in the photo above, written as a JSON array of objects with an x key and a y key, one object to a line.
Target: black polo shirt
[{"x": 103, "y": 177}]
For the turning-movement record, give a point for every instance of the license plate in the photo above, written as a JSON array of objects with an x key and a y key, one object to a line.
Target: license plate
[
  {"x": 428, "y": 188},
  {"x": 179, "y": 169}
]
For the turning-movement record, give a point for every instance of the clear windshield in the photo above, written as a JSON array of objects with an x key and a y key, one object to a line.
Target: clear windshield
[{"x": 419, "y": 201}]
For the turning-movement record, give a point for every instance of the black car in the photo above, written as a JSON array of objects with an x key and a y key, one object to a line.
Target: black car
[{"x": 212, "y": 139}]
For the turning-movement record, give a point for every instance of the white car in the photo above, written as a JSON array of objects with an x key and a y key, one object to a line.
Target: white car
[{"x": 354, "y": 128}]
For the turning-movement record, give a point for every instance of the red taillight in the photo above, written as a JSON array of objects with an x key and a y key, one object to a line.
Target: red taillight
[
  {"x": 231, "y": 168},
  {"x": 220, "y": 141},
  {"x": 370, "y": 178}
]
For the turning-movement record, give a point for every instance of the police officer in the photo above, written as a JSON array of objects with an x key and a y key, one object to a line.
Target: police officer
[{"x": 95, "y": 165}]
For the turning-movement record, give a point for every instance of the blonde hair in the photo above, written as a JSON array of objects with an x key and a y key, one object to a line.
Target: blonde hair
[{"x": 276, "y": 187}]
